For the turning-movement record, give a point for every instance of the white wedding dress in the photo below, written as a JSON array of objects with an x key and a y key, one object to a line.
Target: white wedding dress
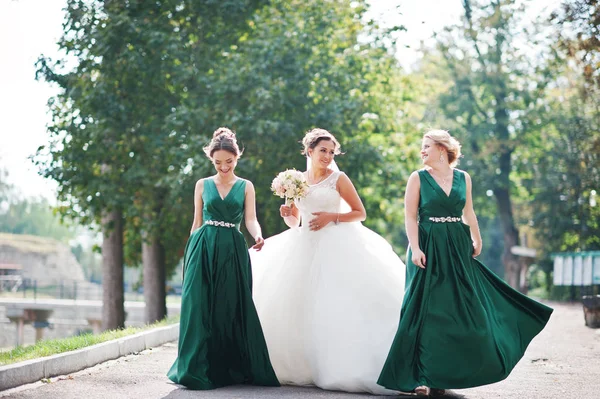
[{"x": 328, "y": 300}]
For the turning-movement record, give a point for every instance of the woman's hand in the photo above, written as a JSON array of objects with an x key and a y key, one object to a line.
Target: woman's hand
[
  {"x": 259, "y": 243},
  {"x": 285, "y": 211},
  {"x": 320, "y": 220},
  {"x": 477, "y": 246},
  {"x": 418, "y": 258},
  {"x": 290, "y": 215}
]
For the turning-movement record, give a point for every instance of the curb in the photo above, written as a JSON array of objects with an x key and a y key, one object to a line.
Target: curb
[{"x": 14, "y": 375}]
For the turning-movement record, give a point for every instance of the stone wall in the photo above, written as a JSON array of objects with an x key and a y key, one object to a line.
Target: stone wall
[{"x": 42, "y": 259}]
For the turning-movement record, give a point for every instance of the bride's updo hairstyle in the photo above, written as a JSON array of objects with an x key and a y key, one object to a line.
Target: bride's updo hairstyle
[
  {"x": 314, "y": 136},
  {"x": 223, "y": 139},
  {"x": 452, "y": 146}
]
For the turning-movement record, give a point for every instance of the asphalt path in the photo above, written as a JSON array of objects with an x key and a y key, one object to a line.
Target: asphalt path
[{"x": 562, "y": 362}]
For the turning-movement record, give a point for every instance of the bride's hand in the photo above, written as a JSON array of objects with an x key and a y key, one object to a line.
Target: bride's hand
[
  {"x": 320, "y": 220},
  {"x": 285, "y": 211}
]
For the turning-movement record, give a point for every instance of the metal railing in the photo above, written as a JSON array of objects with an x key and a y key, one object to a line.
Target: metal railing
[
  {"x": 54, "y": 289},
  {"x": 17, "y": 287}
]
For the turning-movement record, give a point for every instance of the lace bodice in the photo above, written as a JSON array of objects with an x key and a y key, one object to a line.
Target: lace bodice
[{"x": 322, "y": 197}]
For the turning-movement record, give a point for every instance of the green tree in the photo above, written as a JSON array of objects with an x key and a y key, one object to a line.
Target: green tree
[
  {"x": 175, "y": 46},
  {"x": 33, "y": 217},
  {"x": 153, "y": 80},
  {"x": 86, "y": 153},
  {"x": 118, "y": 136},
  {"x": 578, "y": 36},
  {"x": 413, "y": 101},
  {"x": 561, "y": 169},
  {"x": 19, "y": 215},
  {"x": 565, "y": 189},
  {"x": 303, "y": 65}
]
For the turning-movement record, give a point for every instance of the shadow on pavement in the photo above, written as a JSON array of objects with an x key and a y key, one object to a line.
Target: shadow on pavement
[
  {"x": 453, "y": 395},
  {"x": 291, "y": 392}
]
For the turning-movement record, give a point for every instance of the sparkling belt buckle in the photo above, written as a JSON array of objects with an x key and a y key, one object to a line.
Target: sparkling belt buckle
[
  {"x": 445, "y": 219},
  {"x": 219, "y": 223}
]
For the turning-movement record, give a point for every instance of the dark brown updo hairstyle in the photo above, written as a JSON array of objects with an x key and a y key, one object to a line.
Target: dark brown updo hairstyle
[
  {"x": 444, "y": 139},
  {"x": 223, "y": 139},
  {"x": 314, "y": 136}
]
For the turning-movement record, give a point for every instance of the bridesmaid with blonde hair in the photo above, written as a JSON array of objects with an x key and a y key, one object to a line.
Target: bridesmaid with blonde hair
[{"x": 460, "y": 326}]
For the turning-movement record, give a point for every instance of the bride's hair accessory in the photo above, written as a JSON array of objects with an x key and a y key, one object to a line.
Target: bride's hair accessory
[{"x": 314, "y": 136}]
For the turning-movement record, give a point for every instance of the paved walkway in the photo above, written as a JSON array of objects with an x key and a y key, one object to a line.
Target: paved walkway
[{"x": 563, "y": 362}]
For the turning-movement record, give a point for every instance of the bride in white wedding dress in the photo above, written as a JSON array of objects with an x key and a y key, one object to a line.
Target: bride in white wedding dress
[{"x": 328, "y": 291}]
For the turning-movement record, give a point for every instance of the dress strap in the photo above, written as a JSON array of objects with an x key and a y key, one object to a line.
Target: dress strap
[{"x": 332, "y": 180}]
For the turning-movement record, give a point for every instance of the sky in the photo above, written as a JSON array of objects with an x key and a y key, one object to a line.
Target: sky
[{"x": 29, "y": 28}]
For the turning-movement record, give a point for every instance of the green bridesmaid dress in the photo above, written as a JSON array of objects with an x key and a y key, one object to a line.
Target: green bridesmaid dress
[
  {"x": 221, "y": 341},
  {"x": 461, "y": 326}
]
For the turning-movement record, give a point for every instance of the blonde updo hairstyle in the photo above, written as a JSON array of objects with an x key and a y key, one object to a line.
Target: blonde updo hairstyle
[
  {"x": 223, "y": 139},
  {"x": 444, "y": 139},
  {"x": 315, "y": 136}
]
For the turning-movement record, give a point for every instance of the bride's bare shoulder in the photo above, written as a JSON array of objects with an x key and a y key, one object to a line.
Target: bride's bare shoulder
[{"x": 342, "y": 179}]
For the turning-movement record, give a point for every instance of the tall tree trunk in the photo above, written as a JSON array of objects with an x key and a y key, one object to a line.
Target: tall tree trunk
[
  {"x": 493, "y": 70},
  {"x": 524, "y": 265},
  {"x": 512, "y": 263},
  {"x": 512, "y": 268},
  {"x": 113, "y": 298},
  {"x": 153, "y": 258}
]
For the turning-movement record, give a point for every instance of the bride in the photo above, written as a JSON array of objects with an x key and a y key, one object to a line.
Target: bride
[{"x": 328, "y": 291}]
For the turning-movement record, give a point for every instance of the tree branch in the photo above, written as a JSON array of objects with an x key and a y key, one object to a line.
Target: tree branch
[
  {"x": 469, "y": 89},
  {"x": 471, "y": 30}
]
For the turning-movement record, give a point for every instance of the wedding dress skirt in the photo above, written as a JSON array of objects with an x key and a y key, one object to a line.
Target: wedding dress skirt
[{"x": 329, "y": 301}]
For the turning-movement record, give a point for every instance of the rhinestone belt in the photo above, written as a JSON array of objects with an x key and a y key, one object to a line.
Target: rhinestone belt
[
  {"x": 445, "y": 219},
  {"x": 219, "y": 223}
]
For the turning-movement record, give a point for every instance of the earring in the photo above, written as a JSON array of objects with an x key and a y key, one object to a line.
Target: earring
[{"x": 441, "y": 158}]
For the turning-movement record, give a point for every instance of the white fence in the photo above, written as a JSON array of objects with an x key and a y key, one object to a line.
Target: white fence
[{"x": 577, "y": 268}]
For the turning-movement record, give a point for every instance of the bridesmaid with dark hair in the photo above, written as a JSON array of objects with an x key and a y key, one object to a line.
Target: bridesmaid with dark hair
[
  {"x": 460, "y": 326},
  {"x": 221, "y": 341}
]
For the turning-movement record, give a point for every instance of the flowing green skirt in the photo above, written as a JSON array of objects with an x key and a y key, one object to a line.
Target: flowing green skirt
[
  {"x": 461, "y": 326},
  {"x": 220, "y": 337}
]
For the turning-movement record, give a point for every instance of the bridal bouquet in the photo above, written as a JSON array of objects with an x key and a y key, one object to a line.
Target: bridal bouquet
[{"x": 291, "y": 185}]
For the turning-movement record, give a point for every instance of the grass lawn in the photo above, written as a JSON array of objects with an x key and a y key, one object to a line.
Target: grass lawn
[{"x": 54, "y": 346}]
